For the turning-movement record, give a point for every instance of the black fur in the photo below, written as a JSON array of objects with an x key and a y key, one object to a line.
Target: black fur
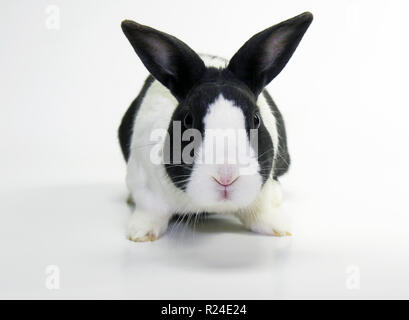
[
  {"x": 263, "y": 57},
  {"x": 167, "y": 58},
  {"x": 195, "y": 87}
]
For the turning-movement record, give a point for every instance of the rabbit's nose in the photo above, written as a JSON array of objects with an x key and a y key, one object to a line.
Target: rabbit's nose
[{"x": 226, "y": 175}]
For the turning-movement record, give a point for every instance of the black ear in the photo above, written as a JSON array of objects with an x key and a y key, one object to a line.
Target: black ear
[
  {"x": 263, "y": 57},
  {"x": 167, "y": 58}
]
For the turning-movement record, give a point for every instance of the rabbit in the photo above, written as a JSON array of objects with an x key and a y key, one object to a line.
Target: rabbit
[{"x": 201, "y": 94}]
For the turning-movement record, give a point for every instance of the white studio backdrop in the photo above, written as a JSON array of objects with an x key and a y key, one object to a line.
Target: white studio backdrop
[{"x": 68, "y": 74}]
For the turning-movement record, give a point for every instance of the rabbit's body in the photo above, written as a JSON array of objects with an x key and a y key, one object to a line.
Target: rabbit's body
[{"x": 161, "y": 190}]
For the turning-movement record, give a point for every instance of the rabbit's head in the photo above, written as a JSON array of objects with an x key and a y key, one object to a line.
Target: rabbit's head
[{"x": 219, "y": 149}]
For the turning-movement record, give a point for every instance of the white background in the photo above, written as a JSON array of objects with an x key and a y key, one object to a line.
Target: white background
[{"x": 343, "y": 95}]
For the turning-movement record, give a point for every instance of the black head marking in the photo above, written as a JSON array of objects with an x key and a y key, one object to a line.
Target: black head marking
[{"x": 214, "y": 83}]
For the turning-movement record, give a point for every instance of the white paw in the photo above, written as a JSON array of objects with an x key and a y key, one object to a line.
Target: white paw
[
  {"x": 272, "y": 229},
  {"x": 144, "y": 226},
  {"x": 269, "y": 223}
]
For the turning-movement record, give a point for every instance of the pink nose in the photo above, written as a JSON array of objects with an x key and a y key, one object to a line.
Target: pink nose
[{"x": 226, "y": 176}]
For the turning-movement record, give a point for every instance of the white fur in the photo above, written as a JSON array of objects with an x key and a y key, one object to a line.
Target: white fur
[
  {"x": 214, "y": 61},
  {"x": 156, "y": 198},
  {"x": 269, "y": 122},
  {"x": 263, "y": 216},
  {"x": 224, "y": 116}
]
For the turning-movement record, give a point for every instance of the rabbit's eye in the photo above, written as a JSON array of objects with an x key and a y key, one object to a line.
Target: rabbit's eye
[
  {"x": 188, "y": 120},
  {"x": 256, "y": 121}
]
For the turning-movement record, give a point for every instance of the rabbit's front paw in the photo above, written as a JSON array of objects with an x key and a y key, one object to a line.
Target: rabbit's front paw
[
  {"x": 269, "y": 227},
  {"x": 269, "y": 222},
  {"x": 144, "y": 226}
]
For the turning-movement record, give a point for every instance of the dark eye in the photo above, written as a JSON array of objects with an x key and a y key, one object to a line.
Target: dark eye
[
  {"x": 256, "y": 120},
  {"x": 188, "y": 120}
]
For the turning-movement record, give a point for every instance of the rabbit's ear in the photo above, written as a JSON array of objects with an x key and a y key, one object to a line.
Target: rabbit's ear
[
  {"x": 167, "y": 58},
  {"x": 263, "y": 57}
]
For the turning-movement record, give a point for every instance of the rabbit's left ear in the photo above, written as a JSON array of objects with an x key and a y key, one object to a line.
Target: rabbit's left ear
[{"x": 263, "y": 57}]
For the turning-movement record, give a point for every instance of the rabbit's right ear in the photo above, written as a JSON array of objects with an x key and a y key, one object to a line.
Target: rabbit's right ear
[{"x": 167, "y": 58}]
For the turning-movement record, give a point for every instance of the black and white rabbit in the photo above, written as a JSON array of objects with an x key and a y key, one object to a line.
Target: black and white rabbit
[{"x": 188, "y": 91}]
